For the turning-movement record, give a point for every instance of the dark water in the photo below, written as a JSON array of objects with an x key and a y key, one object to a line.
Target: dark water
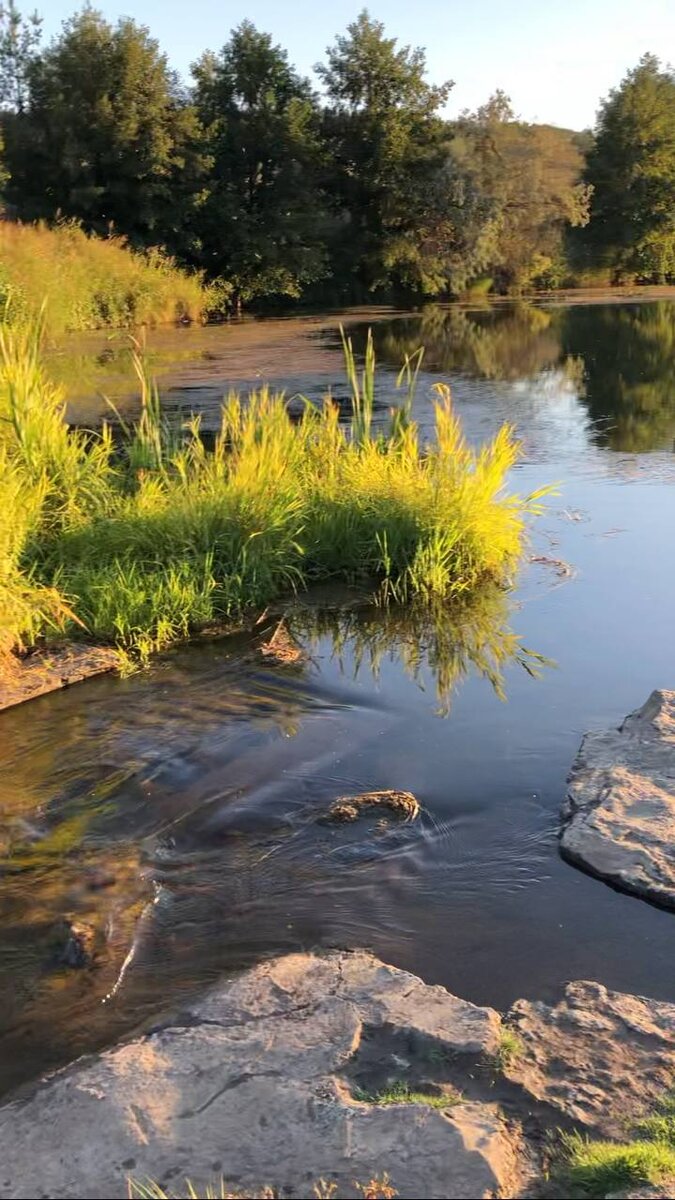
[{"x": 177, "y": 811}]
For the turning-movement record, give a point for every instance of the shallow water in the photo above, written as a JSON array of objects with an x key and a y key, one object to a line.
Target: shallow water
[{"x": 205, "y": 777}]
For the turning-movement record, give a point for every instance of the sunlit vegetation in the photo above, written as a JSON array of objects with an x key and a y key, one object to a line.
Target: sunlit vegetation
[
  {"x": 400, "y": 1092},
  {"x": 377, "y": 1188},
  {"x": 361, "y": 190},
  {"x": 595, "y": 1168},
  {"x": 141, "y": 538},
  {"x": 89, "y": 282}
]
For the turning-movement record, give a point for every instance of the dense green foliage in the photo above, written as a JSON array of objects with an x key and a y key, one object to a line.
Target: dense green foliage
[
  {"x": 140, "y": 542},
  {"x": 362, "y": 189},
  {"x": 631, "y": 169}
]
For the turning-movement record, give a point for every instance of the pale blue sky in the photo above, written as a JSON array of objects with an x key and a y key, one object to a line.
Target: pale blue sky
[{"x": 555, "y": 58}]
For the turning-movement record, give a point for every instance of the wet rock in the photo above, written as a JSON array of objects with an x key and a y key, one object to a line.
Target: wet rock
[
  {"x": 619, "y": 818},
  {"x": 600, "y": 1057},
  {"x": 253, "y": 1077},
  {"x": 76, "y": 943},
  {"x": 350, "y": 808},
  {"x": 48, "y": 670}
]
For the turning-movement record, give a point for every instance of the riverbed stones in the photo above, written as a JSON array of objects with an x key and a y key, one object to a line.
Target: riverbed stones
[
  {"x": 619, "y": 817},
  {"x": 601, "y": 1058},
  {"x": 252, "y": 1084}
]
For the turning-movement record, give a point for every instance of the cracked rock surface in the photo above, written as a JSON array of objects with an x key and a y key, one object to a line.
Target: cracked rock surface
[
  {"x": 275, "y": 1079},
  {"x": 619, "y": 818},
  {"x": 247, "y": 1084}
]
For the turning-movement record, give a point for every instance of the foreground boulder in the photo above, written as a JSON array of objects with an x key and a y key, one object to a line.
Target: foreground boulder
[
  {"x": 619, "y": 818},
  {"x": 253, "y": 1084},
  {"x": 340, "y": 1068},
  {"x": 601, "y": 1058}
]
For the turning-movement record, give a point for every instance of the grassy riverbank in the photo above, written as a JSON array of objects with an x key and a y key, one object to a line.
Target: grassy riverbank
[
  {"x": 87, "y": 282},
  {"x": 139, "y": 542}
]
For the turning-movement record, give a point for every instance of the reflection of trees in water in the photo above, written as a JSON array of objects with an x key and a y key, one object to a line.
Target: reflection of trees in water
[
  {"x": 619, "y": 357},
  {"x": 507, "y": 342},
  {"x": 628, "y": 353},
  {"x": 448, "y": 640}
]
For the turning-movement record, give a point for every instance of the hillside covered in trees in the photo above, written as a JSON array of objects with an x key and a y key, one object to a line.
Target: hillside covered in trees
[{"x": 356, "y": 188}]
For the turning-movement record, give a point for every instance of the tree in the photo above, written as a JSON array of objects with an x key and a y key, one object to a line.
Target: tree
[
  {"x": 528, "y": 181},
  {"x": 263, "y": 223},
  {"x": 387, "y": 145},
  {"x": 19, "y": 43},
  {"x": 107, "y": 136},
  {"x": 631, "y": 169}
]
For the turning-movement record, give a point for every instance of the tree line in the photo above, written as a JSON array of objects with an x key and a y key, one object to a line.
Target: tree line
[{"x": 360, "y": 190}]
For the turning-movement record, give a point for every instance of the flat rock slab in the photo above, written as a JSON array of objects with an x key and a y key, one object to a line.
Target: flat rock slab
[
  {"x": 250, "y": 1084},
  {"x": 48, "y": 671},
  {"x": 599, "y": 1057},
  {"x": 619, "y": 817}
]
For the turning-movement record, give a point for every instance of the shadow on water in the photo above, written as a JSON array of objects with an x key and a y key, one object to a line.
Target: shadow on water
[{"x": 177, "y": 815}]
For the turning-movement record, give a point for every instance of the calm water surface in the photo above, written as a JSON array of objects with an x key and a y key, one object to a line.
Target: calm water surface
[{"x": 178, "y": 811}]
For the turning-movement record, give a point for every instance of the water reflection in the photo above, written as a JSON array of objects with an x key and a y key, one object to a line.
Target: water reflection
[
  {"x": 438, "y": 642},
  {"x": 628, "y": 356},
  {"x": 177, "y": 815},
  {"x": 617, "y": 359}
]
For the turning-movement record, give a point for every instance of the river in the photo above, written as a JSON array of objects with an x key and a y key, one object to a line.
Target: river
[{"x": 176, "y": 810}]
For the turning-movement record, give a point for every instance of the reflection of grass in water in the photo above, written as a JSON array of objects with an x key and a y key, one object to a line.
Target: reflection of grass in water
[
  {"x": 449, "y": 639},
  {"x": 107, "y": 369}
]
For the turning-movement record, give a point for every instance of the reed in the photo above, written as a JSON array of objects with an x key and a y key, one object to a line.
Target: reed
[{"x": 141, "y": 539}]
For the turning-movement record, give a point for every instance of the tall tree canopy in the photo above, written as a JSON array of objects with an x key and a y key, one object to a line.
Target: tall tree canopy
[
  {"x": 631, "y": 169},
  {"x": 387, "y": 144},
  {"x": 106, "y": 136},
  {"x": 263, "y": 224},
  {"x": 528, "y": 179}
]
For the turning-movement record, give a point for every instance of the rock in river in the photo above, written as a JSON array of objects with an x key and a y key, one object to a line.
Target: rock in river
[
  {"x": 619, "y": 817},
  {"x": 298, "y": 1070}
]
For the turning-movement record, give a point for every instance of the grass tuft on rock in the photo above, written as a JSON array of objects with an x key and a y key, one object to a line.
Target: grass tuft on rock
[
  {"x": 604, "y": 1168},
  {"x": 601, "y": 1168},
  {"x": 140, "y": 540},
  {"x": 401, "y": 1093}
]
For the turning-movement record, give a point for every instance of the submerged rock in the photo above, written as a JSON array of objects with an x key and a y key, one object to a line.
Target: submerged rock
[
  {"x": 75, "y": 943},
  {"x": 350, "y": 808},
  {"x": 619, "y": 817}
]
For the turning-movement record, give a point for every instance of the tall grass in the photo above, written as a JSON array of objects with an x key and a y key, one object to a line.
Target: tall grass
[
  {"x": 140, "y": 541},
  {"x": 88, "y": 282}
]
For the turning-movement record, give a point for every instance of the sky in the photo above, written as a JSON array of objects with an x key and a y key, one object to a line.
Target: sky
[{"x": 555, "y": 58}]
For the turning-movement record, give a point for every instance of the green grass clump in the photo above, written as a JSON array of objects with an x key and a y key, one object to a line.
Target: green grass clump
[
  {"x": 601, "y": 1168},
  {"x": 400, "y": 1093},
  {"x": 510, "y": 1048},
  {"x": 88, "y": 282},
  {"x": 142, "y": 540}
]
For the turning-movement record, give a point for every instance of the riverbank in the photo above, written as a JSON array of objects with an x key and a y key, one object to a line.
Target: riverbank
[{"x": 82, "y": 282}]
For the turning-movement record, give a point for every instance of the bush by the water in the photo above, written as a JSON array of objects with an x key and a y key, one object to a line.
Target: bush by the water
[
  {"x": 140, "y": 541},
  {"x": 89, "y": 282}
]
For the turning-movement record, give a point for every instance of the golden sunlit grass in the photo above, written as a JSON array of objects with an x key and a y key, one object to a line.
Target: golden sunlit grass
[
  {"x": 139, "y": 541},
  {"x": 88, "y": 282}
]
